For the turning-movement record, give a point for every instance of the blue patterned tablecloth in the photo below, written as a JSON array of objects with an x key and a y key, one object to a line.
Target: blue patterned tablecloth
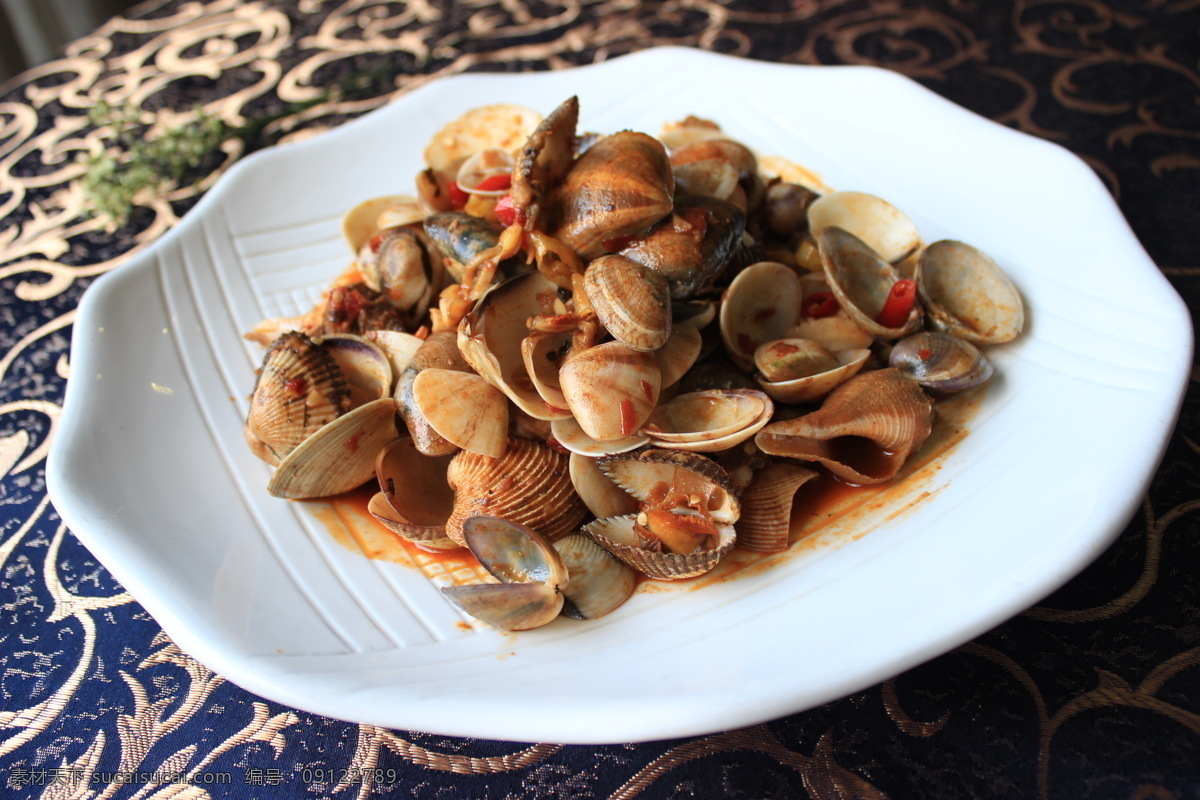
[{"x": 1093, "y": 693}]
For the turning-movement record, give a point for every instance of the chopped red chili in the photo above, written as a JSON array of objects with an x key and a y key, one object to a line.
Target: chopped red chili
[
  {"x": 628, "y": 418},
  {"x": 820, "y": 304},
  {"x": 458, "y": 198},
  {"x": 494, "y": 183},
  {"x": 899, "y": 304},
  {"x": 506, "y": 212}
]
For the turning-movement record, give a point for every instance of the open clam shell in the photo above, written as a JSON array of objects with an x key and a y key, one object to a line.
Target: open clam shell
[
  {"x": 379, "y": 213},
  {"x": 542, "y": 352},
  {"x": 618, "y": 536},
  {"x": 709, "y": 421},
  {"x": 490, "y": 339},
  {"x": 886, "y": 229},
  {"x": 767, "y": 507},
  {"x": 806, "y": 388},
  {"x": 338, "y": 457},
  {"x": 863, "y": 432},
  {"x": 414, "y": 499},
  {"x": 679, "y": 353},
  {"x": 967, "y": 294},
  {"x": 473, "y": 174},
  {"x": 529, "y": 571},
  {"x": 862, "y": 281},
  {"x": 530, "y": 484},
  {"x": 569, "y": 434},
  {"x": 761, "y": 305},
  {"x": 598, "y": 583}
]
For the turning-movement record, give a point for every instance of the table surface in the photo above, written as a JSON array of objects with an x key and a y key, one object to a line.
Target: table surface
[{"x": 1095, "y": 692}]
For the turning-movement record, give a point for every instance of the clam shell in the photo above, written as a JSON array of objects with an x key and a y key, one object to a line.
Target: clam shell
[
  {"x": 846, "y": 364},
  {"x": 399, "y": 347},
  {"x": 490, "y": 339},
  {"x": 529, "y": 484},
  {"x": 544, "y": 160},
  {"x": 864, "y": 431},
  {"x": 598, "y": 583},
  {"x": 709, "y": 178},
  {"x": 566, "y": 432},
  {"x": 886, "y": 229},
  {"x": 482, "y": 165},
  {"x": 767, "y": 507},
  {"x": 611, "y": 389},
  {"x": 617, "y": 536},
  {"x": 299, "y": 390},
  {"x": 366, "y": 367},
  {"x": 837, "y": 332},
  {"x": 529, "y": 570},
  {"x": 463, "y": 408},
  {"x": 621, "y": 185},
  {"x": 602, "y": 497},
  {"x": 396, "y": 263},
  {"x": 542, "y": 352},
  {"x": 675, "y": 479},
  {"x": 364, "y": 220},
  {"x": 709, "y": 421},
  {"x": 968, "y": 295},
  {"x": 503, "y": 126},
  {"x": 941, "y": 362},
  {"x": 339, "y": 457},
  {"x": 761, "y": 305},
  {"x": 862, "y": 280},
  {"x": 677, "y": 356},
  {"x": 414, "y": 500},
  {"x": 439, "y": 351},
  {"x": 632, "y": 302}
]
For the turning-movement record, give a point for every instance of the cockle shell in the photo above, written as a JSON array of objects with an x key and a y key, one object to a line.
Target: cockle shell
[
  {"x": 968, "y": 295},
  {"x": 299, "y": 390},
  {"x": 864, "y": 431},
  {"x": 530, "y": 575},
  {"x": 767, "y": 507},
  {"x": 619, "y": 536},
  {"x": 675, "y": 479},
  {"x": 621, "y": 185},
  {"x": 530, "y": 484},
  {"x": 632, "y": 302}
]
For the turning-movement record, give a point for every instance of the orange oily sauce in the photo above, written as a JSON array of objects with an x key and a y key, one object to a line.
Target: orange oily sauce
[{"x": 826, "y": 514}]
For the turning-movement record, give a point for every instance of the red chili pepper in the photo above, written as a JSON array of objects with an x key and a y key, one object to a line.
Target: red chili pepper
[
  {"x": 820, "y": 304},
  {"x": 617, "y": 242},
  {"x": 898, "y": 305},
  {"x": 506, "y": 212},
  {"x": 494, "y": 183},
  {"x": 628, "y": 418},
  {"x": 458, "y": 198}
]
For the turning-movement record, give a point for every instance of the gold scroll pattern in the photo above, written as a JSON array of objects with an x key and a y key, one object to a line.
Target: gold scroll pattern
[{"x": 235, "y": 59}]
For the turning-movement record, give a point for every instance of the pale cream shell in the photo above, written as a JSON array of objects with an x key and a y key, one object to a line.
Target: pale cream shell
[
  {"x": 813, "y": 387},
  {"x": 761, "y": 304},
  {"x": 464, "y": 408},
  {"x": 598, "y": 582},
  {"x": 885, "y": 228},
  {"x": 611, "y": 389}
]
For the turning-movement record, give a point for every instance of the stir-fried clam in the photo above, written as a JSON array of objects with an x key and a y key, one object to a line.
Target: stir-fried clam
[{"x": 586, "y": 356}]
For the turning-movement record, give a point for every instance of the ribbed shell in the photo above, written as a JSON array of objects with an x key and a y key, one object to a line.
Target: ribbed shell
[
  {"x": 299, "y": 390},
  {"x": 650, "y": 473},
  {"x": 530, "y": 484},
  {"x": 767, "y": 507},
  {"x": 615, "y": 534},
  {"x": 864, "y": 431}
]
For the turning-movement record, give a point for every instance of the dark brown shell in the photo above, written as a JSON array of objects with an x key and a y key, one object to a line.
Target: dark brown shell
[
  {"x": 692, "y": 246},
  {"x": 621, "y": 185}
]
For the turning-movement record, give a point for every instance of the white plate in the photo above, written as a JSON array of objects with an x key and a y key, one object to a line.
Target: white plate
[{"x": 149, "y": 468}]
